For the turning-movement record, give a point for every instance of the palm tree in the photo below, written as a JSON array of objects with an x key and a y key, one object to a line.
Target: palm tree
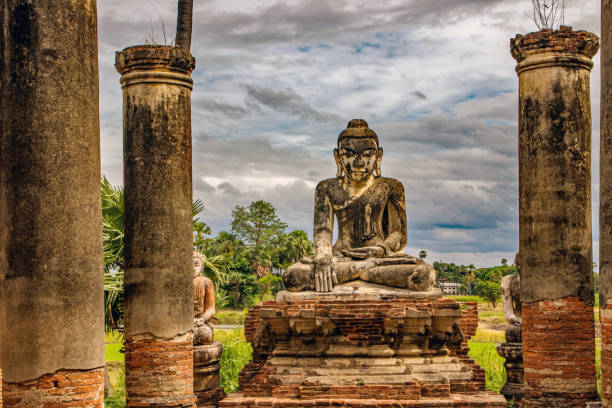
[{"x": 183, "y": 24}]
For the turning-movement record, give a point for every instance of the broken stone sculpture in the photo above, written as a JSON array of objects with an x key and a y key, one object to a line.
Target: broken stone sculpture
[
  {"x": 512, "y": 349},
  {"x": 206, "y": 352},
  {"x": 371, "y": 214}
]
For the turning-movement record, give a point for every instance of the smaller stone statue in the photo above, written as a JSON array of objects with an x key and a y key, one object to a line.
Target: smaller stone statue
[
  {"x": 206, "y": 352},
  {"x": 203, "y": 303},
  {"x": 512, "y": 349}
]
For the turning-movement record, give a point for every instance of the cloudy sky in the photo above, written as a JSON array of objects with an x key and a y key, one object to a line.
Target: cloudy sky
[{"x": 277, "y": 80}]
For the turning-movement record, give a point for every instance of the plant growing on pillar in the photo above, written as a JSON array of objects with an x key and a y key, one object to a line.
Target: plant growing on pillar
[{"x": 548, "y": 13}]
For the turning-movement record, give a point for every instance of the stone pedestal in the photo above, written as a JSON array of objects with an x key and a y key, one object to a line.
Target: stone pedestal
[
  {"x": 206, "y": 366},
  {"x": 512, "y": 351},
  {"x": 360, "y": 344},
  {"x": 156, "y": 87},
  {"x": 555, "y": 240}
]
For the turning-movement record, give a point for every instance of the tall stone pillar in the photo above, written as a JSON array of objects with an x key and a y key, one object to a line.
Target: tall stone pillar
[
  {"x": 605, "y": 204},
  {"x": 51, "y": 278},
  {"x": 158, "y": 225},
  {"x": 555, "y": 216}
]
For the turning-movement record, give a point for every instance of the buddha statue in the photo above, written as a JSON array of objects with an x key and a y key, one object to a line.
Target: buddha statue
[
  {"x": 372, "y": 231},
  {"x": 203, "y": 303}
]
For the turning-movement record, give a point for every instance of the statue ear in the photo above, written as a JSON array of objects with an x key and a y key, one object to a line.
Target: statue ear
[
  {"x": 338, "y": 164},
  {"x": 378, "y": 160}
]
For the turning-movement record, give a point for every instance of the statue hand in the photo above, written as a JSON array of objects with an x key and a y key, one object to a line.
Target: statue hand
[
  {"x": 365, "y": 252},
  {"x": 324, "y": 279},
  {"x": 517, "y": 321}
]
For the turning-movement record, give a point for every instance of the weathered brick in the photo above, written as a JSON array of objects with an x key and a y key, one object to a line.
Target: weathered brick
[
  {"x": 559, "y": 353},
  {"x": 64, "y": 389}
]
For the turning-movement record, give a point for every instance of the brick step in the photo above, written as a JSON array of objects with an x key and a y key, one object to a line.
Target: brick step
[
  {"x": 373, "y": 370},
  {"x": 485, "y": 399},
  {"x": 348, "y": 379}
]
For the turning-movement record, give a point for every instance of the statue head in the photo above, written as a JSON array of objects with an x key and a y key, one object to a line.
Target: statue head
[
  {"x": 198, "y": 264},
  {"x": 358, "y": 154}
]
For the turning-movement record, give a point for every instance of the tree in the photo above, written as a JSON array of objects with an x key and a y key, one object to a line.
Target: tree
[
  {"x": 504, "y": 262},
  {"x": 488, "y": 290},
  {"x": 423, "y": 254},
  {"x": 257, "y": 225},
  {"x": 292, "y": 247}
]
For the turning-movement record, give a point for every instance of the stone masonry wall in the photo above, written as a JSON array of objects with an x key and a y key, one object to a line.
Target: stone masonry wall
[
  {"x": 64, "y": 389},
  {"x": 168, "y": 364},
  {"x": 606, "y": 354},
  {"x": 558, "y": 351}
]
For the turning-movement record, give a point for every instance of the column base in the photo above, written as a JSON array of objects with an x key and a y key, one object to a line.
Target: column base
[
  {"x": 159, "y": 372},
  {"x": 63, "y": 389},
  {"x": 559, "y": 353}
]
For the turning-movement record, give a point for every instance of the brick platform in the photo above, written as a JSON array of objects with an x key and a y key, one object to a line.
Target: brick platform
[
  {"x": 159, "y": 373},
  {"x": 66, "y": 388},
  {"x": 606, "y": 355},
  {"x": 559, "y": 353},
  {"x": 360, "y": 352}
]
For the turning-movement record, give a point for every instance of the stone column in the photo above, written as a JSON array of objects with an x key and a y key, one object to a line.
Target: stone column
[
  {"x": 51, "y": 283},
  {"x": 555, "y": 251},
  {"x": 605, "y": 204},
  {"x": 158, "y": 225}
]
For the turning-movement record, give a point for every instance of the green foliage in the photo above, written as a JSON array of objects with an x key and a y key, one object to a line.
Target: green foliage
[
  {"x": 290, "y": 248},
  {"x": 270, "y": 285},
  {"x": 423, "y": 254},
  {"x": 112, "y": 225},
  {"x": 200, "y": 228},
  {"x": 237, "y": 352},
  {"x": 488, "y": 290},
  {"x": 228, "y": 316}
]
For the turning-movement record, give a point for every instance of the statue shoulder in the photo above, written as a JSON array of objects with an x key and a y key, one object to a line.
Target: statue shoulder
[
  {"x": 325, "y": 185},
  {"x": 202, "y": 280},
  {"x": 393, "y": 183},
  {"x": 395, "y": 187}
]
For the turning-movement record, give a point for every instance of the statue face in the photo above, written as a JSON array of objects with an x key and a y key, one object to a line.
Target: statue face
[
  {"x": 358, "y": 157},
  {"x": 197, "y": 266}
]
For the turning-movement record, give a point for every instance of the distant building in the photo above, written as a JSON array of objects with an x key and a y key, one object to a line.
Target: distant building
[{"x": 450, "y": 288}]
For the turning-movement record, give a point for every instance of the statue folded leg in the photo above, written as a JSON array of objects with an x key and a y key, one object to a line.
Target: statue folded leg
[{"x": 400, "y": 272}]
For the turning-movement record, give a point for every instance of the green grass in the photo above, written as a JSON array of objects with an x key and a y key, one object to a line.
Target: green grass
[
  {"x": 485, "y": 354},
  {"x": 116, "y": 399},
  {"x": 476, "y": 299},
  {"x": 237, "y": 352},
  {"x": 488, "y": 336},
  {"x": 113, "y": 343}
]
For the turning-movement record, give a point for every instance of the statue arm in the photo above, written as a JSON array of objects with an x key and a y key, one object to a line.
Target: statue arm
[
  {"x": 323, "y": 227},
  {"x": 396, "y": 212},
  {"x": 209, "y": 301},
  {"x": 323, "y": 223}
]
